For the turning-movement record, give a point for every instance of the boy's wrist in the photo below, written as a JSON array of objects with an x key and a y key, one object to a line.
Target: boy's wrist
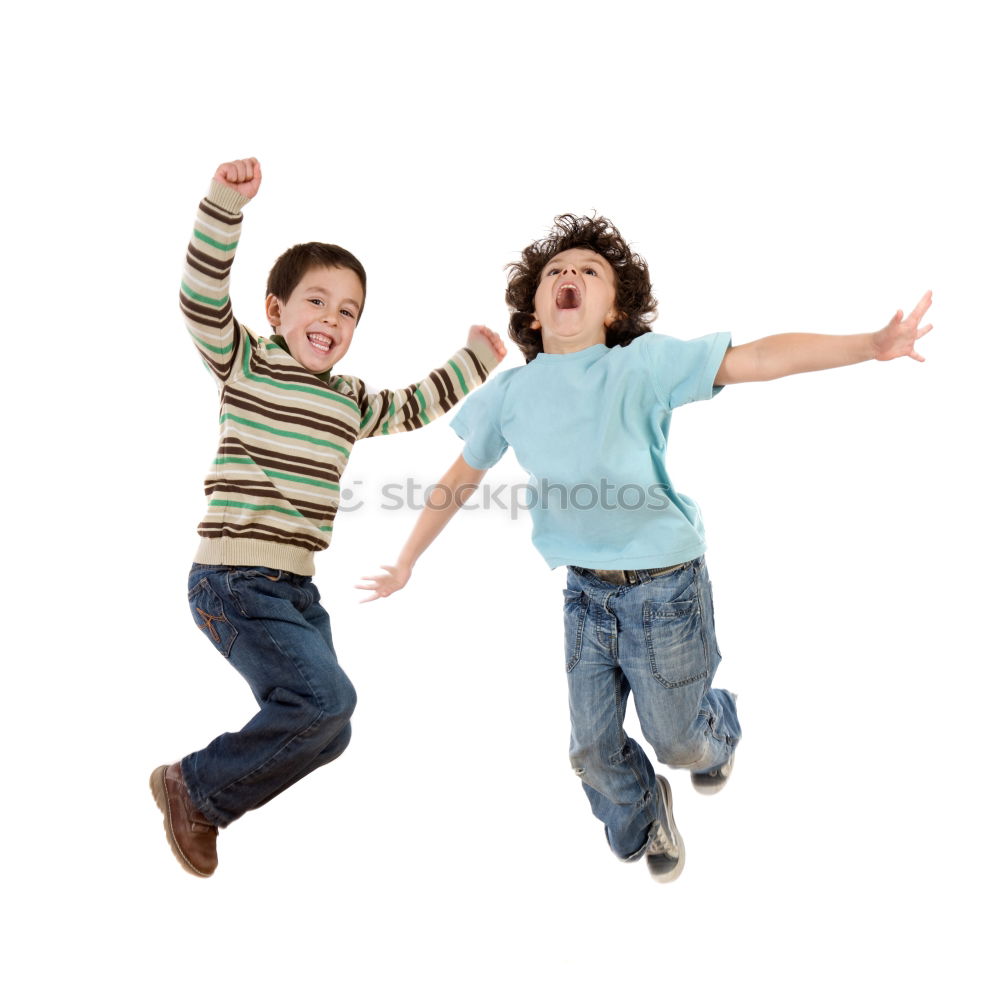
[
  {"x": 226, "y": 198},
  {"x": 870, "y": 346}
]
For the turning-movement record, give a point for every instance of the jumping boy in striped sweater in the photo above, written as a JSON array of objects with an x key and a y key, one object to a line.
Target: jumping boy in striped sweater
[
  {"x": 638, "y": 605},
  {"x": 287, "y": 428}
]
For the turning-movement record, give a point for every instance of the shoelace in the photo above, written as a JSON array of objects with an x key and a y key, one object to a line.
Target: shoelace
[{"x": 659, "y": 841}]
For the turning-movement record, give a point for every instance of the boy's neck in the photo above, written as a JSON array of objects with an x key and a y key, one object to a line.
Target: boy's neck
[
  {"x": 560, "y": 345},
  {"x": 280, "y": 341}
]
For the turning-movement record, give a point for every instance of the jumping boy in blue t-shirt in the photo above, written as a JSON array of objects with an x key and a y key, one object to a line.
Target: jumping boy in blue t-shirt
[{"x": 588, "y": 416}]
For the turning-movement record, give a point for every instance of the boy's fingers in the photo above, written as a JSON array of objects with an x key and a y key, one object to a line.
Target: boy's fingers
[{"x": 922, "y": 306}]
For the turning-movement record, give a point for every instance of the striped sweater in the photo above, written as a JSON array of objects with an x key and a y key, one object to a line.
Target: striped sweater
[{"x": 285, "y": 433}]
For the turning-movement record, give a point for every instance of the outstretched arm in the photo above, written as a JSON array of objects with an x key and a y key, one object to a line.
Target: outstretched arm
[
  {"x": 204, "y": 295},
  {"x": 416, "y": 405},
  {"x": 442, "y": 503},
  {"x": 795, "y": 353}
]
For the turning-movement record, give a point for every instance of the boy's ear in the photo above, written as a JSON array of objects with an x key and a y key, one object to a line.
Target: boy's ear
[
  {"x": 614, "y": 314},
  {"x": 535, "y": 324},
  {"x": 272, "y": 306}
]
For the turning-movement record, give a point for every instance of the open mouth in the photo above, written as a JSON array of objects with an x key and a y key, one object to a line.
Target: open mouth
[
  {"x": 568, "y": 296},
  {"x": 320, "y": 342}
]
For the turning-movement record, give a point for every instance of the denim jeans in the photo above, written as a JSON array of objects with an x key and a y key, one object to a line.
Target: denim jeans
[
  {"x": 272, "y": 629},
  {"x": 655, "y": 639}
]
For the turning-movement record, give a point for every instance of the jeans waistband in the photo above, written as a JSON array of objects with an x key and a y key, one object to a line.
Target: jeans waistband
[{"x": 628, "y": 576}]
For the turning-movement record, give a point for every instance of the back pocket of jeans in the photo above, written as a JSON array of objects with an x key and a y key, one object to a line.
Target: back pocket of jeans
[
  {"x": 675, "y": 643},
  {"x": 210, "y": 615},
  {"x": 574, "y": 617}
]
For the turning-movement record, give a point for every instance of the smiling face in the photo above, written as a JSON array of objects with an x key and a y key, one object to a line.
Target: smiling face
[
  {"x": 319, "y": 317},
  {"x": 575, "y": 301}
]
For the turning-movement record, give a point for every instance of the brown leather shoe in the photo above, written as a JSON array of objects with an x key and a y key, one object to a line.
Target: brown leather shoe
[{"x": 190, "y": 834}]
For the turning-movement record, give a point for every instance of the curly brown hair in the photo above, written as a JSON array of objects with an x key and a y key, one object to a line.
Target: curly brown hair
[{"x": 633, "y": 289}]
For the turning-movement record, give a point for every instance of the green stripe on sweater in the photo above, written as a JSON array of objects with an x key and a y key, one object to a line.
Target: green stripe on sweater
[
  {"x": 299, "y": 478},
  {"x": 225, "y": 247},
  {"x": 250, "y": 505},
  {"x": 204, "y": 299},
  {"x": 424, "y": 419},
  {"x": 228, "y": 416},
  {"x": 458, "y": 374},
  {"x": 287, "y": 387},
  {"x": 208, "y": 346}
]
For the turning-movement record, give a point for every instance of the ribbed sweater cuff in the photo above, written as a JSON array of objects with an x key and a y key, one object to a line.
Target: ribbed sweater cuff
[{"x": 226, "y": 198}]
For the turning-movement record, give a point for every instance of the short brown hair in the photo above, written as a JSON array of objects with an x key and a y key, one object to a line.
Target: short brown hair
[
  {"x": 294, "y": 263},
  {"x": 633, "y": 289}
]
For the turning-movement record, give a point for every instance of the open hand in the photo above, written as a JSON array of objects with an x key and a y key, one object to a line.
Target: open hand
[
  {"x": 899, "y": 336},
  {"x": 482, "y": 334},
  {"x": 381, "y": 586},
  {"x": 242, "y": 175}
]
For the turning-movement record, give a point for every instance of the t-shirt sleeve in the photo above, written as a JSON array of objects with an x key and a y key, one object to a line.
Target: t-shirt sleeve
[
  {"x": 684, "y": 371},
  {"x": 478, "y": 424}
]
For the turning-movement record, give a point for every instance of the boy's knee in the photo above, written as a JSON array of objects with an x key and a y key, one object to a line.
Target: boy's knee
[
  {"x": 692, "y": 752},
  {"x": 610, "y": 777},
  {"x": 328, "y": 707},
  {"x": 336, "y": 747},
  {"x": 585, "y": 760},
  {"x": 338, "y": 702}
]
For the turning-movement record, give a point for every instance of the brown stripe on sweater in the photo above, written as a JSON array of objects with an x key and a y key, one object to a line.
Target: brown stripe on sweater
[
  {"x": 205, "y": 315},
  {"x": 377, "y": 404},
  {"x": 265, "y": 411},
  {"x": 259, "y": 532},
  {"x": 260, "y": 489},
  {"x": 279, "y": 460},
  {"x": 446, "y": 393},
  {"x": 410, "y": 411},
  {"x": 287, "y": 373},
  {"x": 288, "y": 413},
  {"x": 311, "y": 511},
  {"x": 211, "y": 209},
  {"x": 220, "y": 368},
  {"x": 211, "y": 268},
  {"x": 477, "y": 364}
]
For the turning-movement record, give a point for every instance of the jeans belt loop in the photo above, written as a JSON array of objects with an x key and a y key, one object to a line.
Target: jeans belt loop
[{"x": 630, "y": 576}]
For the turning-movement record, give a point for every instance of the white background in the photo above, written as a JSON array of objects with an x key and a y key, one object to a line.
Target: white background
[{"x": 782, "y": 166}]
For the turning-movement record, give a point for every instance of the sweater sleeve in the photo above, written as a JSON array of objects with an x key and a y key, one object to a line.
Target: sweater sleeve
[
  {"x": 416, "y": 405},
  {"x": 204, "y": 297}
]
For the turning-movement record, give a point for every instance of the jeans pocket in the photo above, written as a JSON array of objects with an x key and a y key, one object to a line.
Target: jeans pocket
[
  {"x": 574, "y": 618},
  {"x": 674, "y": 642},
  {"x": 209, "y": 614}
]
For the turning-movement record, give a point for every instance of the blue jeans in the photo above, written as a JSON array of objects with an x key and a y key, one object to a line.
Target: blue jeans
[
  {"x": 655, "y": 639},
  {"x": 272, "y": 629}
]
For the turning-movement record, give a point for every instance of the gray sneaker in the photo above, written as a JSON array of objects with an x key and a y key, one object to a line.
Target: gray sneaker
[
  {"x": 665, "y": 847},
  {"x": 715, "y": 779}
]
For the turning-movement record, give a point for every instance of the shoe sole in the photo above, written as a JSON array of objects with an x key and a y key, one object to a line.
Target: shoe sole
[
  {"x": 668, "y": 797},
  {"x": 158, "y": 786},
  {"x": 711, "y": 786}
]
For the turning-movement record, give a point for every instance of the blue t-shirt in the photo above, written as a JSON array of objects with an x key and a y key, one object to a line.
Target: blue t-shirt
[{"x": 591, "y": 429}]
